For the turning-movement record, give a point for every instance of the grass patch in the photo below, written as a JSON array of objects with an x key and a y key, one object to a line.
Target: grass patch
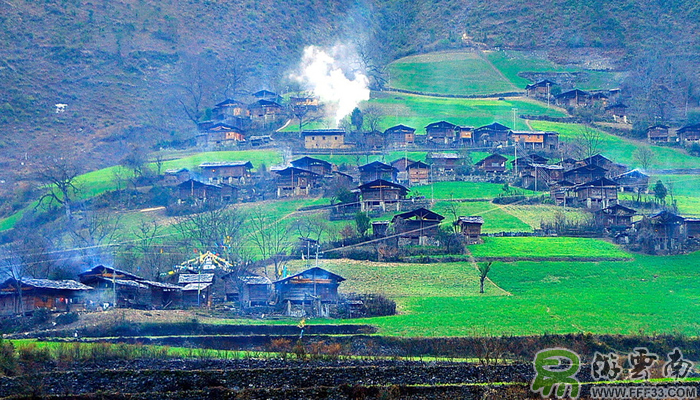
[
  {"x": 453, "y": 73},
  {"x": 463, "y": 190},
  {"x": 524, "y": 247}
]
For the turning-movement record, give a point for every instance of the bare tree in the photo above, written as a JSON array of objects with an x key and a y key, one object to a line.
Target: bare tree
[
  {"x": 270, "y": 237},
  {"x": 233, "y": 75},
  {"x": 196, "y": 85},
  {"x": 60, "y": 178},
  {"x": 644, "y": 156},
  {"x": 214, "y": 229},
  {"x": 94, "y": 232},
  {"x": 372, "y": 116},
  {"x": 310, "y": 227},
  {"x": 591, "y": 141}
]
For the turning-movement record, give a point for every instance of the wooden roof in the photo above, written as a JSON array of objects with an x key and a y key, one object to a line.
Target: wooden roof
[
  {"x": 600, "y": 182},
  {"x": 306, "y": 160},
  {"x": 296, "y": 171},
  {"x": 195, "y": 278},
  {"x": 418, "y": 164},
  {"x": 399, "y": 128},
  {"x": 102, "y": 270},
  {"x": 49, "y": 284},
  {"x": 617, "y": 209},
  {"x": 472, "y": 219},
  {"x": 419, "y": 214},
  {"x": 311, "y": 273},
  {"x": 376, "y": 165},
  {"x": 228, "y": 102},
  {"x": 493, "y": 127},
  {"x": 381, "y": 183},
  {"x": 491, "y": 157},
  {"x": 441, "y": 125}
]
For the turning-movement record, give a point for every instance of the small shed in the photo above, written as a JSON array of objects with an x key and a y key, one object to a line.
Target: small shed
[
  {"x": 597, "y": 194},
  {"x": 400, "y": 136},
  {"x": 491, "y": 135},
  {"x": 470, "y": 227},
  {"x": 293, "y": 182},
  {"x": 255, "y": 290},
  {"x": 418, "y": 173},
  {"x": 634, "y": 181}
]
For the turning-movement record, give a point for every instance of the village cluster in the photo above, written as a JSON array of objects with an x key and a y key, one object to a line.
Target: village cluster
[{"x": 375, "y": 188}]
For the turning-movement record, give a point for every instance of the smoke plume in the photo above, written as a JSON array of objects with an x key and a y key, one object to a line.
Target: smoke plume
[{"x": 333, "y": 76}]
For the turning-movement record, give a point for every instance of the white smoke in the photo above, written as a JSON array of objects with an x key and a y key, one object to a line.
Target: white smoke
[{"x": 334, "y": 77}]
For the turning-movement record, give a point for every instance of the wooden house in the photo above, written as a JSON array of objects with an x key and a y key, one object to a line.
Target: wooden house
[
  {"x": 600, "y": 98},
  {"x": 228, "y": 109},
  {"x": 597, "y": 194},
  {"x": 59, "y": 296},
  {"x": 199, "y": 192},
  {"x": 444, "y": 162},
  {"x": 667, "y": 228},
  {"x": 222, "y": 135},
  {"x": 618, "y": 112},
  {"x": 382, "y": 195},
  {"x": 377, "y": 170},
  {"x": 401, "y": 166},
  {"x": 692, "y": 228},
  {"x": 542, "y": 88},
  {"x": 573, "y": 98},
  {"x": 196, "y": 289},
  {"x": 540, "y": 176},
  {"x": 522, "y": 162},
  {"x": 173, "y": 177},
  {"x": 255, "y": 290},
  {"x": 293, "y": 182},
  {"x": 260, "y": 140},
  {"x": 418, "y": 173},
  {"x": 379, "y": 228},
  {"x": 373, "y": 140},
  {"x": 658, "y": 134},
  {"x": 324, "y": 139},
  {"x": 492, "y": 164},
  {"x": 689, "y": 134},
  {"x": 634, "y": 181},
  {"x": 491, "y": 135},
  {"x": 470, "y": 227},
  {"x": 162, "y": 295},
  {"x": 117, "y": 287},
  {"x": 585, "y": 173},
  {"x": 265, "y": 109},
  {"x": 562, "y": 193},
  {"x": 465, "y": 136},
  {"x": 599, "y": 160},
  {"x": 341, "y": 179},
  {"x": 615, "y": 217},
  {"x": 400, "y": 136},
  {"x": 314, "y": 289},
  {"x": 441, "y": 133},
  {"x": 417, "y": 225},
  {"x": 315, "y": 165},
  {"x": 231, "y": 172},
  {"x": 536, "y": 140}
]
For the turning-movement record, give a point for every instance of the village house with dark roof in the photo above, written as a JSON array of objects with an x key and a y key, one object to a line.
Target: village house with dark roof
[
  {"x": 585, "y": 173},
  {"x": 660, "y": 134},
  {"x": 315, "y": 165},
  {"x": 401, "y": 165},
  {"x": 229, "y": 109},
  {"x": 634, "y": 181},
  {"x": 465, "y": 136},
  {"x": 310, "y": 292},
  {"x": 220, "y": 134},
  {"x": 265, "y": 94},
  {"x": 324, "y": 139},
  {"x": 418, "y": 225},
  {"x": 400, "y": 136},
  {"x": 173, "y": 177},
  {"x": 200, "y": 192},
  {"x": 562, "y": 193},
  {"x": 382, "y": 195},
  {"x": 492, "y": 135},
  {"x": 296, "y": 182},
  {"x": 265, "y": 109},
  {"x": 444, "y": 162},
  {"x": 441, "y": 133},
  {"x": 542, "y": 88},
  {"x": 573, "y": 98},
  {"x": 230, "y": 172},
  {"x": 492, "y": 164},
  {"x": 377, "y": 170},
  {"x": 536, "y": 140},
  {"x": 618, "y": 112},
  {"x": 597, "y": 194},
  {"x": 418, "y": 173},
  {"x": 689, "y": 134},
  {"x": 615, "y": 217},
  {"x": 54, "y": 295}
]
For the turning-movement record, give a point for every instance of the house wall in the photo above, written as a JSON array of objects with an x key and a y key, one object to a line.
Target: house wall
[{"x": 330, "y": 141}]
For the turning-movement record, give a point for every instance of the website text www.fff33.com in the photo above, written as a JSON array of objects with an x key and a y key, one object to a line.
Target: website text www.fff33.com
[{"x": 643, "y": 392}]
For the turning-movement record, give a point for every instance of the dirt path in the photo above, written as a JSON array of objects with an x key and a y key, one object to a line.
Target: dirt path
[{"x": 498, "y": 71}]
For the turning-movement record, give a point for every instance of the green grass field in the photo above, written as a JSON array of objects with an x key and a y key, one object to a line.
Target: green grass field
[
  {"x": 645, "y": 294},
  {"x": 524, "y": 247},
  {"x": 455, "y": 73}
]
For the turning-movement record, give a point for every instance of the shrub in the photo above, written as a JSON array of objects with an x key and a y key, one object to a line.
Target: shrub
[
  {"x": 67, "y": 318},
  {"x": 40, "y": 316},
  {"x": 377, "y": 305}
]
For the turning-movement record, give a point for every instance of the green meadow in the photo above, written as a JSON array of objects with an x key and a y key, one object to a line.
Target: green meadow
[{"x": 645, "y": 294}]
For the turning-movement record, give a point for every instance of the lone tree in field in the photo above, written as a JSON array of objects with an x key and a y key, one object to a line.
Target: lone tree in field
[
  {"x": 362, "y": 223},
  {"x": 660, "y": 192},
  {"x": 484, "y": 270},
  {"x": 60, "y": 180},
  {"x": 644, "y": 156}
]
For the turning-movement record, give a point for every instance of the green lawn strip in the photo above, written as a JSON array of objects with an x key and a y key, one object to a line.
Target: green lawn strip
[
  {"x": 534, "y": 215},
  {"x": 452, "y": 73},
  {"x": 524, "y": 247},
  {"x": 418, "y": 111},
  {"x": 464, "y": 190},
  {"x": 495, "y": 219},
  {"x": 621, "y": 150}
]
